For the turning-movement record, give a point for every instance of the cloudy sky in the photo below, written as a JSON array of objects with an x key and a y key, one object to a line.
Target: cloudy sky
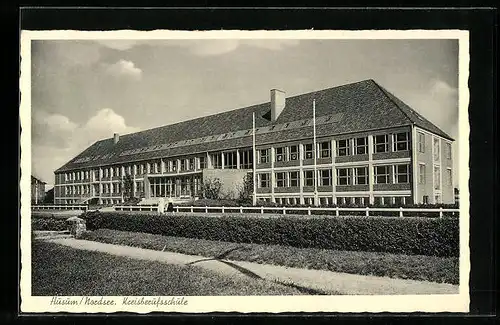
[{"x": 83, "y": 91}]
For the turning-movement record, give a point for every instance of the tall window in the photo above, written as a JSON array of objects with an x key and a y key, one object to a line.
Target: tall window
[
  {"x": 421, "y": 173},
  {"x": 230, "y": 160},
  {"x": 325, "y": 177},
  {"x": 448, "y": 150},
  {"x": 437, "y": 178},
  {"x": 381, "y": 143},
  {"x": 343, "y": 176},
  {"x": 401, "y": 141},
  {"x": 216, "y": 160},
  {"x": 280, "y": 154},
  {"x": 308, "y": 178},
  {"x": 264, "y": 180},
  {"x": 449, "y": 176},
  {"x": 361, "y": 175},
  {"x": 308, "y": 151},
  {"x": 381, "y": 174},
  {"x": 294, "y": 152},
  {"x": 183, "y": 164},
  {"x": 191, "y": 164},
  {"x": 202, "y": 162},
  {"x": 361, "y": 146},
  {"x": 264, "y": 156},
  {"x": 293, "y": 178},
  {"x": 436, "y": 149},
  {"x": 343, "y": 148},
  {"x": 421, "y": 142},
  {"x": 325, "y": 149},
  {"x": 246, "y": 159},
  {"x": 402, "y": 173},
  {"x": 280, "y": 179}
]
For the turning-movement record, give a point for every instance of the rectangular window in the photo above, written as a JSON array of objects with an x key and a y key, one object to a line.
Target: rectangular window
[
  {"x": 246, "y": 159},
  {"x": 325, "y": 149},
  {"x": 421, "y": 142},
  {"x": 264, "y": 180},
  {"x": 401, "y": 141},
  {"x": 449, "y": 176},
  {"x": 436, "y": 149},
  {"x": 381, "y": 174},
  {"x": 183, "y": 164},
  {"x": 280, "y": 154},
  {"x": 361, "y": 175},
  {"x": 325, "y": 177},
  {"x": 216, "y": 160},
  {"x": 293, "y": 178},
  {"x": 448, "y": 150},
  {"x": 361, "y": 146},
  {"x": 308, "y": 178},
  {"x": 202, "y": 161},
  {"x": 230, "y": 160},
  {"x": 437, "y": 178},
  {"x": 264, "y": 156},
  {"x": 402, "y": 174},
  {"x": 343, "y": 148},
  {"x": 191, "y": 164},
  {"x": 280, "y": 179},
  {"x": 294, "y": 152},
  {"x": 421, "y": 173},
  {"x": 381, "y": 143},
  {"x": 343, "y": 176},
  {"x": 308, "y": 151}
]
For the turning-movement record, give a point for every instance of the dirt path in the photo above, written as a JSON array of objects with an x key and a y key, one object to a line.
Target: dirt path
[{"x": 314, "y": 280}]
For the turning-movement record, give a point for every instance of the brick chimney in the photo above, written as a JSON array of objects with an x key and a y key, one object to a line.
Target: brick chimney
[
  {"x": 116, "y": 138},
  {"x": 277, "y": 103}
]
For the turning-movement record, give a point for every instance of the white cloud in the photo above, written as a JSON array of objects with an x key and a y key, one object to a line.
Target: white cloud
[
  {"x": 121, "y": 45},
  {"x": 124, "y": 68},
  {"x": 61, "y": 139},
  {"x": 441, "y": 88}
]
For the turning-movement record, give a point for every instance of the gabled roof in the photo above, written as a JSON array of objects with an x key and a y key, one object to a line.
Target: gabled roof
[
  {"x": 35, "y": 180},
  {"x": 356, "y": 107}
]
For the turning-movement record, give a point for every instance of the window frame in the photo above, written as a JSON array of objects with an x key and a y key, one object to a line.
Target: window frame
[
  {"x": 347, "y": 177},
  {"x": 422, "y": 175},
  {"x": 264, "y": 180},
  {"x": 421, "y": 141},
  {"x": 357, "y": 146},
  {"x": 308, "y": 151},
  {"x": 266, "y": 155},
  {"x": 322, "y": 177},
  {"x": 398, "y": 174},
  {"x": 405, "y": 142},
  {"x": 328, "y": 149},
  {"x": 296, "y": 152},
  {"x": 280, "y": 156},
  {"x": 306, "y": 178},
  {"x": 280, "y": 182},
  {"x": 385, "y": 143},
  {"x": 357, "y": 176},
  {"x": 386, "y": 174},
  {"x": 292, "y": 180},
  {"x": 343, "y": 150}
]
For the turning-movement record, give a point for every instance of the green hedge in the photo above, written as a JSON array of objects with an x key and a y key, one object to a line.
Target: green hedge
[
  {"x": 48, "y": 224},
  {"x": 413, "y": 236}
]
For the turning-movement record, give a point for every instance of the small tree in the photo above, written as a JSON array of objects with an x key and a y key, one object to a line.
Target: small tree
[
  {"x": 212, "y": 189},
  {"x": 246, "y": 191},
  {"x": 127, "y": 187}
]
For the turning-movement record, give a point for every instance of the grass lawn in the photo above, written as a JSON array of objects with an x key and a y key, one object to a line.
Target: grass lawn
[
  {"x": 417, "y": 267},
  {"x": 60, "y": 270}
]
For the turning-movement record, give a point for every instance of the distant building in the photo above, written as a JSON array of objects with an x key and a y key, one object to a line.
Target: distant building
[
  {"x": 370, "y": 148},
  {"x": 457, "y": 195},
  {"x": 37, "y": 190}
]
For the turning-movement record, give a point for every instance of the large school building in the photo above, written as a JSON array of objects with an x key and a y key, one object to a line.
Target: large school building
[{"x": 355, "y": 143}]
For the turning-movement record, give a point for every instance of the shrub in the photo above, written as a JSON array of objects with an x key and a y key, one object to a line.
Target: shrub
[
  {"x": 412, "y": 236},
  {"x": 52, "y": 224}
]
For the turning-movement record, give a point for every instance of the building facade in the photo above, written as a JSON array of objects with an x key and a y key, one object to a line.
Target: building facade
[
  {"x": 37, "y": 190},
  {"x": 362, "y": 146}
]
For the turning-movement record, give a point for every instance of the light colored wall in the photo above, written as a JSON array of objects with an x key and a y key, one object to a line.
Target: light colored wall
[
  {"x": 447, "y": 188},
  {"x": 231, "y": 179}
]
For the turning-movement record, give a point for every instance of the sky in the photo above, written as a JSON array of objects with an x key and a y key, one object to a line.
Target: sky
[{"x": 86, "y": 90}]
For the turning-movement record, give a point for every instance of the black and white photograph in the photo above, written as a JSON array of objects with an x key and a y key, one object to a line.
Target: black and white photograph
[{"x": 250, "y": 171}]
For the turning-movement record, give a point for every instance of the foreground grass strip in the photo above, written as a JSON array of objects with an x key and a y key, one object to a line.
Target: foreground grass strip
[
  {"x": 60, "y": 270},
  {"x": 415, "y": 267}
]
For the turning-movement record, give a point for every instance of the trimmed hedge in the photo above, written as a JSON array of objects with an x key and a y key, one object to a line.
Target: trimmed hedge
[
  {"x": 48, "y": 224},
  {"x": 411, "y": 236}
]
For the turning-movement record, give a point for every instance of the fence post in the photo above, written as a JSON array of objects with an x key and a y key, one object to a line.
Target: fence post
[
  {"x": 261, "y": 210},
  {"x": 284, "y": 210},
  {"x": 400, "y": 211},
  {"x": 192, "y": 209},
  {"x": 206, "y": 209},
  {"x": 440, "y": 212},
  {"x": 337, "y": 211},
  {"x": 222, "y": 209},
  {"x": 367, "y": 211},
  {"x": 309, "y": 210},
  {"x": 241, "y": 209}
]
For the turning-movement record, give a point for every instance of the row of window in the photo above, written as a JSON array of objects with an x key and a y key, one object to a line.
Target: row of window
[
  {"x": 436, "y": 146},
  {"x": 422, "y": 174},
  {"x": 344, "y": 147},
  {"x": 383, "y": 174},
  {"x": 346, "y": 200}
]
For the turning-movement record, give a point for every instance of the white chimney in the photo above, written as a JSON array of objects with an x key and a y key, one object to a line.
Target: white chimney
[
  {"x": 277, "y": 103},
  {"x": 116, "y": 138}
]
